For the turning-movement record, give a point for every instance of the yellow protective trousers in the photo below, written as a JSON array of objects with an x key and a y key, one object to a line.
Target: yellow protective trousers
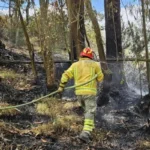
[{"x": 88, "y": 102}]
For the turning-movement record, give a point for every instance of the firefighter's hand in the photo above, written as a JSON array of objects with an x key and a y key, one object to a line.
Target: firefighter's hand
[
  {"x": 60, "y": 90},
  {"x": 59, "y": 94}
]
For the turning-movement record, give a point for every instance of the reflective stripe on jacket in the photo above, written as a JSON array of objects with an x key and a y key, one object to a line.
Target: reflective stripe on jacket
[{"x": 82, "y": 71}]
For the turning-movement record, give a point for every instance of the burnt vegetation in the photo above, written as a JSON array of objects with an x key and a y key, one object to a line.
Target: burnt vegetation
[{"x": 36, "y": 49}]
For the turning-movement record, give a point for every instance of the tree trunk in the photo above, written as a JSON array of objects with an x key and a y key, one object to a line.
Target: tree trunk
[
  {"x": 77, "y": 28},
  {"x": 45, "y": 40},
  {"x": 113, "y": 29},
  {"x": 98, "y": 37},
  {"x": 146, "y": 44},
  {"x": 64, "y": 29},
  {"x": 113, "y": 39},
  {"x": 29, "y": 45},
  {"x": 27, "y": 11},
  {"x": 10, "y": 15},
  {"x": 17, "y": 37},
  {"x": 16, "y": 25}
]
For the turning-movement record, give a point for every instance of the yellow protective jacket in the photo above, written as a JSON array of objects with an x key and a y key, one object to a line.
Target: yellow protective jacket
[{"x": 82, "y": 71}]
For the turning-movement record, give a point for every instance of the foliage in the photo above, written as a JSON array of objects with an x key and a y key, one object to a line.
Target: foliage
[
  {"x": 3, "y": 26},
  {"x": 132, "y": 30},
  {"x": 56, "y": 25},
  {"x": 16, "y": 36}
]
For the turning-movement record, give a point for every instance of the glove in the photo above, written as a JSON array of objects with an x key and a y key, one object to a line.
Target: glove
[
  {"x": 60, "y": 89},
  {"x": 59, "y": 94}
]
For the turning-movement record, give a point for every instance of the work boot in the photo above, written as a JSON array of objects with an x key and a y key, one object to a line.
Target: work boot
[{"x": 85, "y": 136}]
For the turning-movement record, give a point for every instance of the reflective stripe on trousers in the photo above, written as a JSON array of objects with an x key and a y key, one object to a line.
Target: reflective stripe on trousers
[{"x": 88, "y": 102}]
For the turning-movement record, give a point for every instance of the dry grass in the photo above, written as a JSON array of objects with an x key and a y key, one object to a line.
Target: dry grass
[
  {"x": 7, "y": 74},
  {"x": 9, "y": 129},
  {"x": 61, "y": 124},
  {"x": 70, "y": 105},
  {"x": 2, "y": 125},
  {"x": 46, "y": 129},
  {"x": 70, "y": 123},
  {"x": 51, "y": 107},
  {"x": 100, "y": 135},
  {"x": 17, "y": 80},
  {"x": 63, "y": 118},
  {"x": 8, "y": 112},
  {"x": 143, "y": 144}
]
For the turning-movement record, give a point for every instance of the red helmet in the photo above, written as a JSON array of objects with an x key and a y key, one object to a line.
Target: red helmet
[{"x": 87, "y": 52}]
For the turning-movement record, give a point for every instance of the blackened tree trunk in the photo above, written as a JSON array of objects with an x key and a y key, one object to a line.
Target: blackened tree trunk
[
  {"x": 113, "y": 39},
  {"x": 113, "y": 29}
]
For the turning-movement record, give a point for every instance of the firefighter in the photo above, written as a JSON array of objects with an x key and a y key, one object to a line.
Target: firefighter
[{"x": 82, "y": 71}]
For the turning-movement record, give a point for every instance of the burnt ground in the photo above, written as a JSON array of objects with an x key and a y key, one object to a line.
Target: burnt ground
[{"x": 122, "y": 124}]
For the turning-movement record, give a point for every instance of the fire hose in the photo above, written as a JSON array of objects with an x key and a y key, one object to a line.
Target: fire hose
[{"x": 55, "y": 92}]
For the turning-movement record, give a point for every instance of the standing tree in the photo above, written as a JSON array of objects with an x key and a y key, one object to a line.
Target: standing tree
[
  {"x": 98, "y": 36},
  {"x": 77, "y": 28},
  {"x": 113, "y": 39},
  {"x": 29, "y": 45},
  {"x": 27, "y": 11},
  {"x": 146, "y": 44},
  {"x": 46, "y": 42}
]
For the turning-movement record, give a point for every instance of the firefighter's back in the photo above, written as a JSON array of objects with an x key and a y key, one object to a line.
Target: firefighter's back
[{"x": 85, "y": 70}]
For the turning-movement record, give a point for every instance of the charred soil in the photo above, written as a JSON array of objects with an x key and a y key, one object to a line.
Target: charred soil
[{"x": 121, "y": 124}]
